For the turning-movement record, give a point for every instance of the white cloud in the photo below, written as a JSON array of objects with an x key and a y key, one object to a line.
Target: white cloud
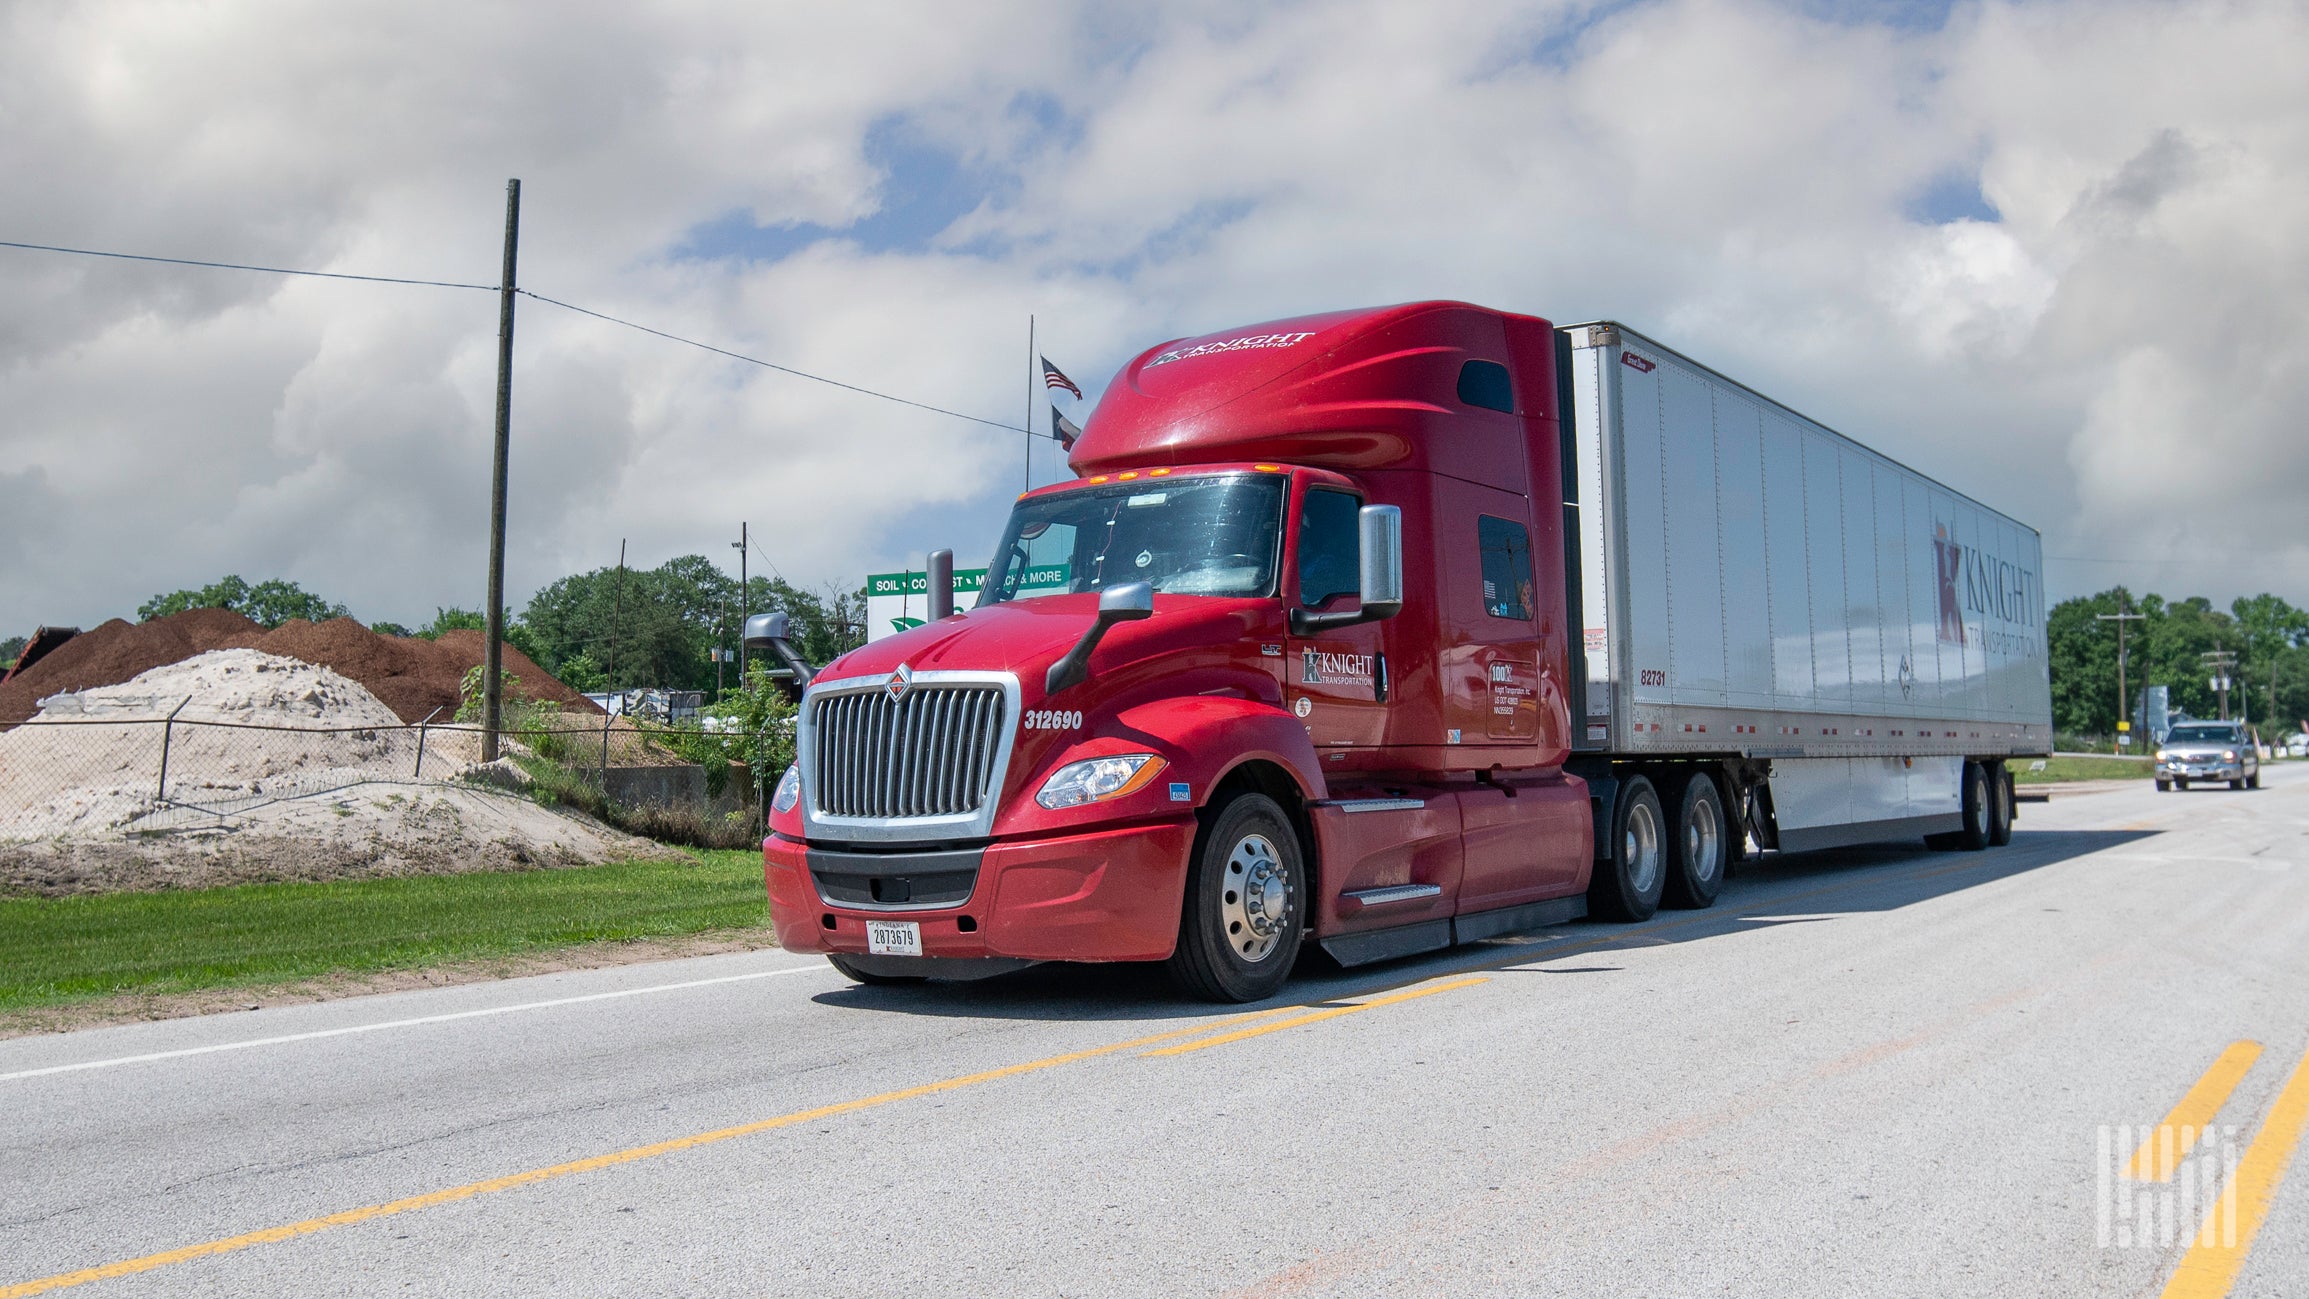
[{"x": 2118, "y": 350}]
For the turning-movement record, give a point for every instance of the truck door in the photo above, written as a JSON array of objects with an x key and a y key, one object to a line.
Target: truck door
[{"x": 1335, "y": 681}]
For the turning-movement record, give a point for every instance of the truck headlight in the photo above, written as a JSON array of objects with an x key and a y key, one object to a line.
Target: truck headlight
[
  {"x": 2228, "y": 755},
  {"x": 2160, "y": 755},
  {"x": 789, "y": 791},
  {"x": 1094, "y": 780}
]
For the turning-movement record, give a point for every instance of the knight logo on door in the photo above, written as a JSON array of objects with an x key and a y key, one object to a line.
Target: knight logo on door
[{"x": 1318, "y": 668}]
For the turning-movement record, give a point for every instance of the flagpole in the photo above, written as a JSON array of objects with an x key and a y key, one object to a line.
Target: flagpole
[{"x": 1030, "y": 378}]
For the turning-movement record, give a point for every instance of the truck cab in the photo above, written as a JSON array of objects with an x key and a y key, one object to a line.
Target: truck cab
[{"x": 1289, "y": 660}]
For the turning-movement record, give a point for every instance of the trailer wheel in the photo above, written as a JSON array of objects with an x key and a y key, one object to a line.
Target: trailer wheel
[
  {"x": 1245, "y": 909},
  {"x": 1629, "y": 880},
  {"x": 1978, "y": 810},
  {"x": 1700, "y": 847},
  {"x": 2000, "y": 808},
  {"x": 857, "y": 975}
]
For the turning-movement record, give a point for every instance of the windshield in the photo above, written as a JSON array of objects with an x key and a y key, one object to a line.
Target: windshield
[
  {"x": 1207, "y": 534},
  {"x": 2202, "y": 735}
]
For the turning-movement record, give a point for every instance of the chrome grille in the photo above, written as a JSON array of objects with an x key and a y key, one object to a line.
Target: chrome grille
[{"x": 931, "y": 752}]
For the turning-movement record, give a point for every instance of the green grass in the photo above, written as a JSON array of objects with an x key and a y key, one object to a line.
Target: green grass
[
  {"x": 2078, "y": 769},
  {"x": 59, "y": 950}
]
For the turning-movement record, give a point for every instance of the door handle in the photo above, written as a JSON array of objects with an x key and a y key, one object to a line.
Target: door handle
[{"x": 1379, "y": 677}]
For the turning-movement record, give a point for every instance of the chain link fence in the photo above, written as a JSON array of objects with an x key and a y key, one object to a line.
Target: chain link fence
[{"x": 66, "y": 777}]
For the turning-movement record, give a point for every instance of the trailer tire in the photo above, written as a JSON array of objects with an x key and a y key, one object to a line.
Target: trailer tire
[
  {"x": 1630, "y": 878},
  {"x": 1700, "y": 848},
  {"x": 2000, "y": 808},
  {"x": 1978, "y": 810},
  {"x": 1245, "y": 910},
  {"x": 856, "y": 975}
]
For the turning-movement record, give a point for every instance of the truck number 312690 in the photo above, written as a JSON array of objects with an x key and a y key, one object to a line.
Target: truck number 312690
[{"x": 1051, "y": 719}]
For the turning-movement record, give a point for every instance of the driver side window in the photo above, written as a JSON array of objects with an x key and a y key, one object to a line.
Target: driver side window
[{"x": 1330, "y": 551}]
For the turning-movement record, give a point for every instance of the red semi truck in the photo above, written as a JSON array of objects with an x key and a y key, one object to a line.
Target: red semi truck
[{"x": 1399, "y": 628}]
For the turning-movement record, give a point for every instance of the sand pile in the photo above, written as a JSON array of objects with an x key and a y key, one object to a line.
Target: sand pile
[
  {"x": 82, "y": 807},
  {"x": 411, "y": 676}
]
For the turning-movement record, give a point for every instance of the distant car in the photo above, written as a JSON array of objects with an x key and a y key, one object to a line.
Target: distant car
[
  {"x": 2208, "y": 751},
  {"x": 2297, "y": 746}
]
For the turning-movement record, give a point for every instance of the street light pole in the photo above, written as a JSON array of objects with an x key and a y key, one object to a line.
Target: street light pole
[{"x": 745, "y": 598}]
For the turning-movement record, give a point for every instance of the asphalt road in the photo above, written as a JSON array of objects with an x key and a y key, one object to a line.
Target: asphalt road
[{"x": 1883, "y": 1071}]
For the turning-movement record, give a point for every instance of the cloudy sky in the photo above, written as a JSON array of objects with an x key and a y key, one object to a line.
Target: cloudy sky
[{"x": 2051, "y": 253}]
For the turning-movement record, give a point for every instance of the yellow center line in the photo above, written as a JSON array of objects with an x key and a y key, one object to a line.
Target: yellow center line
[
  {"x": 2166, "y": 1146},
  {"x": 1237, "y": 1035},
  {"x": 2211, "y": 1265},
  {"x": 309, "y": 1226}
]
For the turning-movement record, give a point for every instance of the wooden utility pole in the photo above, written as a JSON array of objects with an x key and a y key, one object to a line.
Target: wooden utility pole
[
  {"x": 616, "y": 617},
  {"x": 493, "y": 655},
  {"x": 2124, "y": 698}
]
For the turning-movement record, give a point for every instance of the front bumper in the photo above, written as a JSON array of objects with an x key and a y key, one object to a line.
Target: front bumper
[
  {"x": 1107, "y": 895},
  {"x": 2188, "y": 769}
]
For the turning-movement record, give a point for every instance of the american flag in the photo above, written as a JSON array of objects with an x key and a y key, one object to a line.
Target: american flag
[
  {"x": 1064, "y": 430},
  {"x": 1053, "y": 377}
]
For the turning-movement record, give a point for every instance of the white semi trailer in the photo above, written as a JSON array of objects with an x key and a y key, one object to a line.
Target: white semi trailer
[{"x": 1859, "y": 648}]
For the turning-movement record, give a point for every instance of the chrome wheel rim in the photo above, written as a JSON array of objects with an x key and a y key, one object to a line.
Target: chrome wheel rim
[
  {"x": 1255, "y": 899},
  {"x": 1704, "y": 840},
  {"x": 1640, "y": 848},
  {"x": 1980, "y": 806}
]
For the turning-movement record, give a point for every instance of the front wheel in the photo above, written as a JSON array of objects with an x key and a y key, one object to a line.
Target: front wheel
[
  {"x": 1245, "y": 909},
  {"x": 2253, "y": 781},
  {"x": 1633, "y": 872},
  {"x": 2164, "y": 787}
]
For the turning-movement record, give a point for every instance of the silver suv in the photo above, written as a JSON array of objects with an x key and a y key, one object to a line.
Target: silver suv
[{"x": 2208, "y": 751}]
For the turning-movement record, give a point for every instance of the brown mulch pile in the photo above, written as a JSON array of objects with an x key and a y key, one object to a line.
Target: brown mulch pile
[{"x": 412, "y": 676}]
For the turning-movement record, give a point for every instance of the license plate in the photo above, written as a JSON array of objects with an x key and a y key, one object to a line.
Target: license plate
[{"x": 894, "y": 937}]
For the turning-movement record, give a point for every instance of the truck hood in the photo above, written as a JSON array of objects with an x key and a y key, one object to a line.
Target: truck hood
[{"x": 1025, "y": 637}]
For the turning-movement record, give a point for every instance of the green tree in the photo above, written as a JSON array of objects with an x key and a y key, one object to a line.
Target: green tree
[
  {"x": 659, "y": 626},
  {"x": 268, "y": 604},
  {"x": 389, "y": 629},
  {"x": 9, "y": 649}
]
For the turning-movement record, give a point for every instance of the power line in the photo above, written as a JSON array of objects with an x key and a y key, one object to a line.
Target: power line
[
  {"x": 566, "y": 306},
  {"x": 240, "y": 266},
  {"x": 782, "y": 369}
]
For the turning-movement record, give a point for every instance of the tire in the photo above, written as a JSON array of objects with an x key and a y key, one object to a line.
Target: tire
[
  {"x": 856, "y": 975},
  {"x": 1244, "y": 915},
  {"x": 1628, "y": 882},
  {"x": 1978, "y": 810},
  {"x": 2253, "y": 781},
  {"x": 2000, "y": 807},
  {"x": 2238, "y": 785},
  {"x": 2164, "y": 787},
  {"x": 1699, "y": 850},
  {"x": 2182, "y": 784}
]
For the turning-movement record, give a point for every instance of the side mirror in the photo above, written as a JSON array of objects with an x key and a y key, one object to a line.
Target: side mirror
[
  {"x": 1127, "y": 603},
  {"x": 770, "y": 633},
  {"x": 1380, "y": 529},
  {"x": 765, "y": 630},
  {"x": 1379, "y": 537}
]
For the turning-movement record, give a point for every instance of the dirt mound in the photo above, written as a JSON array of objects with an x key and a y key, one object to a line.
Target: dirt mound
[
  {"x": 413, "y": 677},
  {"x": 119, "y": 651}
]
